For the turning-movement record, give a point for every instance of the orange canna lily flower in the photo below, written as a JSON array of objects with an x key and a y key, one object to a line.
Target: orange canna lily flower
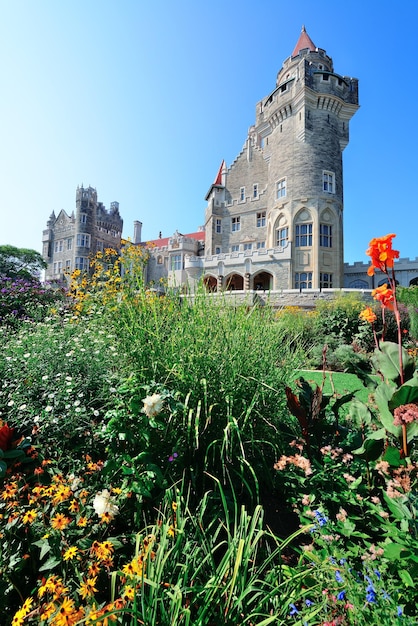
[
  {"x": 384, "y": 295},
  {"x": 381, "y": 253},
  {"x": 368, "y": 315}
]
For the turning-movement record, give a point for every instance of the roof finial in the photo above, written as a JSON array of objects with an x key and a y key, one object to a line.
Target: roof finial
[{"x": 303, "y": 28}]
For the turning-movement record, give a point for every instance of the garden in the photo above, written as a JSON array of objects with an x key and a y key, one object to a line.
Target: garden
[{"x": 181, "y": 461}]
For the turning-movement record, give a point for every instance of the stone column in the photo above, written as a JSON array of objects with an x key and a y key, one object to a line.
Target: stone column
[
  {"x": 220, "y": 283},
  {"x": 247, "y": 277}
]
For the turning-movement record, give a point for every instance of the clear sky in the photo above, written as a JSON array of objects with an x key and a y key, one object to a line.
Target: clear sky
[{"x": 142, "y": 100}]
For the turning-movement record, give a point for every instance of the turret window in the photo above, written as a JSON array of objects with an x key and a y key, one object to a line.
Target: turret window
[
  {"x": 218, "y": 226},
  {"x": 236, "y": 224},
  {"x": 83, "y": 240},
  {"x": 303, "y": 280},
  {"x": 282, "y": 237},
  {"x": 325, "y": 235},
  {"x": 328, "y": 182},
  {"x": 281, "y": 188},
  {"x": 303, "y": 235},
  {"x": 81, "y": 263},
  {"x": 83, "y": 218},
  {"x": 325, "y": 280},
  {"x": 176, "y": 262}
]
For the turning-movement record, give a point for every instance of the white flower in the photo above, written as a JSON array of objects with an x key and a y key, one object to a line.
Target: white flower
[
  {"x": 45, "y": 377},
  {"x": 26, "y": 355},
  {"x": 48, "y": 409},
  {"x": 103, "y": 503},
  {"x": 152, "y": 405},
  {"x": 10, "y": 403},
  {"x": 22, "y": 407},
  {"x": 36, "y": 419}
]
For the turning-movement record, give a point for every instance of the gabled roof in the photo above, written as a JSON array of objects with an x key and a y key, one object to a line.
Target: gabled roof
[
  {"x": 304, "y": 41},
  {"x": 162, "y": 242}
]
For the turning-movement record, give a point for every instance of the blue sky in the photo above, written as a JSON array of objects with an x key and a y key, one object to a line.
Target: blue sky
[{"x": 143, "y": 100}]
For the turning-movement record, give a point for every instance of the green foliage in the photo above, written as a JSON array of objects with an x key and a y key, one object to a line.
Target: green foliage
[{"x": 20, "y": 262}]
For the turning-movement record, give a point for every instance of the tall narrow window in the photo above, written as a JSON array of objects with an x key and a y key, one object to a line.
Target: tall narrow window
[
  {"x": 242, "y": 194},
  {"x": 261, "y": 219},
  {"x": 261, "y": 245},
  {"x": 83, "y": 218},
  {"x": 281, "y": 188},
  {"x": 329, "y": 182},
  {"x": 303, "y": 235},
  {"x": 282, "y": 236},
  {"x": 255, "y": 190},
  {"x": 236, "y": 224},
  {"x": 218, "y": 226},
  {"x": 325, "y": 236},
  {"x": 218, "y": 250},
  {"x": 176, "y": 262},
  {"x": 303, "y": 280}
]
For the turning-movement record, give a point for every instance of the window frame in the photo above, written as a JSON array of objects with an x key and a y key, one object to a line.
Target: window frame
[
  {"x": 325, "y": 280},
  {"x": 261, "y": 219},
  {"x": 235, "y": 224},
  {"x": 303, "y": 280},
  {"x": 303, "y": 239},
  {"x": 242, "y": 194},
  {"x": 83, "y": 240},
  {"x": 282, "y": 235},
  {"x": 328, "y": 181},
  {"x": 281, "y": 188},
  {"x": 325, "y": 238},
  {"x": 218, "y": 226}
]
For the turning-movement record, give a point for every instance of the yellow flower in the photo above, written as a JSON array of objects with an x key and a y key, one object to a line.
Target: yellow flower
[
  {"x": 87, "y": 588},
  {"x": 47, "y": 610},
  {"x": 128, "y": 593},
  {"x": 60, "y": 521},
  {"x": 71, "y": 553},
  {"x": 29, "y": 516},
  {"x": 82, "y": 522}
]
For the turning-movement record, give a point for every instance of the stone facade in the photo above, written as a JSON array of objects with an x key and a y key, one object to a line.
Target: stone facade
[
  {"x": 355, "y": 274},
  {"x": 274, "y": 217},
  {"x": 69, "y": 240}
]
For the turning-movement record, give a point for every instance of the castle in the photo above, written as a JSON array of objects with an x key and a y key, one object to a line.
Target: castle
[
  {"x": 274, "y": 217},
  {"x": 69, "y": 240}
]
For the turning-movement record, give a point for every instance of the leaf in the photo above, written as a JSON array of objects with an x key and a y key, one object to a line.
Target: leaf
[
  {"x": 44, "y": 550},
  {"x": 393, "y": 551},
  {"x": 392, "y": 456},
  {"x": 359, "y": 413},
  {"x": 51, "y": 563},
  {"x": 3, "y": 469},
  {"x": 386, "y": 361},
  {"x": 399, "y": 510},
  {"x": 406, "y": 394},
  {"x": 406, "y": 578},
  {"x": 382, "y": 396}
]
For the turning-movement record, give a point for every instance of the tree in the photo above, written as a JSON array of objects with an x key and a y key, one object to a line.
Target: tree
[{"x": 20, "y": 262}]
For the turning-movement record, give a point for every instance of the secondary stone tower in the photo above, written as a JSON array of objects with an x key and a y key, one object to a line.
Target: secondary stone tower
[{"x": 275, "y": 217}]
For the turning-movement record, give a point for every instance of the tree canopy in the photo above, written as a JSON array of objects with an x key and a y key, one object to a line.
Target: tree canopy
[{"x": 20, "y": 262}]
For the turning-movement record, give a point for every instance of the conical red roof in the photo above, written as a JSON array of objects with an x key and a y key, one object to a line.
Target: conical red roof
[
  {"x": 218, "y": 179},
  {"x": 304, "y": 41}
]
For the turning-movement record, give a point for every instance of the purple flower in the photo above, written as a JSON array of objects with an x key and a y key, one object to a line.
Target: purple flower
[
  {"x": 338, "y": 576},
  {"x": 293, "y": 610},
  {"x": 308, "y": 602},
  {"x": 172, "y": 457},
  {"x": 341, "y": 595},
  {"x": 399, "y": 611}
]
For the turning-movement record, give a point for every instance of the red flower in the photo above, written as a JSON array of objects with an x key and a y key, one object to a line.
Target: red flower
[
  {"x": 381, "y": 253},
  {"x": 6, "y": 437}
]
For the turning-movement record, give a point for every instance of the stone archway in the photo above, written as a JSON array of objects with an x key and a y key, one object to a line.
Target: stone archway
[
  {"x": 210, "y": 283},
  {"x": 413, "y": 282},
  {"x": 263, "y": 281},
  {"x": 234, "y": 282}
]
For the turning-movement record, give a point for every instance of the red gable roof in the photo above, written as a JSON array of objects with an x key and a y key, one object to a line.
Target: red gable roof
[
  {"x": 162, "y": 242},
  {"x": 304, "y": 41}
]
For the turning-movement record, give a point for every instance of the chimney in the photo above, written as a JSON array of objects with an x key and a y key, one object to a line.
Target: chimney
[{"x": 137, "y": 232}]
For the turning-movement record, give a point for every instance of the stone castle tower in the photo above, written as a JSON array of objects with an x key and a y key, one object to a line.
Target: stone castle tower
[
  {"x": 274, "y": 218},
  {"x": 69, "y": 240}
]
